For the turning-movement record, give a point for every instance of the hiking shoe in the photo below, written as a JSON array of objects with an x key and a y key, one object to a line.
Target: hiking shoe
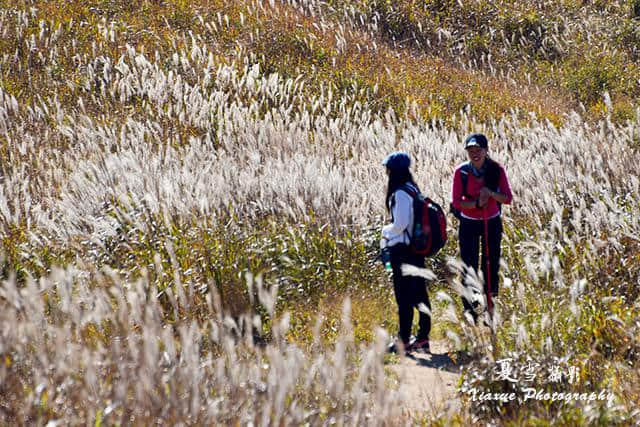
[
  {"x": 420, "y": 346},
  {"x": 394, "y": 348}
]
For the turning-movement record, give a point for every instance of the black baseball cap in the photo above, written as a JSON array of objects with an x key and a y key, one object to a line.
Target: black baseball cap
[
  {"x": 397, "y": 160},
  {"x": 476, "y": 140}
]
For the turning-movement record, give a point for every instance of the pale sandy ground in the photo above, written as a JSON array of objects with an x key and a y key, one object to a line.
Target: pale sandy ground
[{"x": 429, "y": 381}]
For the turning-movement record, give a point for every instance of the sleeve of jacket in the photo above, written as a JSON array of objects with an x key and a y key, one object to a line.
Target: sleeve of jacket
[
  {"x": 456, "y": 190},
  {"x": 402, "y": 215},
  {"x": 505, "y": 187}
]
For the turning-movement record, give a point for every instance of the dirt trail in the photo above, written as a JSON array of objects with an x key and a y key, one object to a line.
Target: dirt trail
[{"x": 429, "y": 381}]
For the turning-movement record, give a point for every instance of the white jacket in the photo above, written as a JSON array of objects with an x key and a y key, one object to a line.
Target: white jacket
[{"x": 402, "y": 226}]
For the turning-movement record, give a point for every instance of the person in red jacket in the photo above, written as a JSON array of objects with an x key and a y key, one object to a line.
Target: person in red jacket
[{"x": 480, "y": 187}]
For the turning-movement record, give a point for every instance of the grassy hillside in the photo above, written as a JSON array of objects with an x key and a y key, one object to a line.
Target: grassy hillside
[
  {"x": 191, "y": 196},
  {"x": 446, "y": 56}
]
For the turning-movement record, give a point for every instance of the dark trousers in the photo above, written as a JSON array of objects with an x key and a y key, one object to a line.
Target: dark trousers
[
  {"x": 410, "y": 291},
  {"x": 471, "y": 236}
]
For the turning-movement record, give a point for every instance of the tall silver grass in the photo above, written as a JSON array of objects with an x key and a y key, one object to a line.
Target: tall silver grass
[
  {"x": 140, "y": 369},
  {"x": 258, "y": 144}
]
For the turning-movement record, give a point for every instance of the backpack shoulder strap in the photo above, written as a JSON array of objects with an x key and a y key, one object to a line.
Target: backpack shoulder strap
[
  {"x": 410, "y": 189},
  {"x": 465, "y": 170}
]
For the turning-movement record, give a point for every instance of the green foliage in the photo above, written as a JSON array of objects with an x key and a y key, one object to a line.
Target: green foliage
[
  {"x": 509, "y": 38},
  {"x": 21, "y": 259},
  {"x": 310, "y": 263},
  {"x": 10, "y": 259},
  {"x": 589, "y": 80}
]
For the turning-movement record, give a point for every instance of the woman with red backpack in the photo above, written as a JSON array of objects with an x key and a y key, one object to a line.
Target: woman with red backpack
[
  {"x": 410, "y": 291},
  {"x": 480, "y": 187}
]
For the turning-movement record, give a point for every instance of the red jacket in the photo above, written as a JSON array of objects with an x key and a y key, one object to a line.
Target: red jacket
[{"x": 474, "y": 185}]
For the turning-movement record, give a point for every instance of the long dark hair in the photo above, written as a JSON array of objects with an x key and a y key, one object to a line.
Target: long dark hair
[
  {"x": 492, "y": 174},
  {"x": 397, "y": 178}
]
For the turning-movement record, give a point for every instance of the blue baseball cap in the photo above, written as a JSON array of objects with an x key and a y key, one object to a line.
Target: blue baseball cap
[
  {"x": 476, "y": 140},
  {"x": 397, "y": 160}
]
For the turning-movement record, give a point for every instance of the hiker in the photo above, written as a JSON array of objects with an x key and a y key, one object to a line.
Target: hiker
[
  {"x": 410, "y": 291},
  {"x": 480, "y": 187}
]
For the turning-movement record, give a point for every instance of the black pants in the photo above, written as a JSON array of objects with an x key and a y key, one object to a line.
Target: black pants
[
  {"x": 410, "y": 291},
  {"x": 471, "y": 236}
]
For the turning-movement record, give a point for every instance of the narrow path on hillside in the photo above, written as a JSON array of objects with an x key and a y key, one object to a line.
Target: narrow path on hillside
[{"x": 429, "y": 381}]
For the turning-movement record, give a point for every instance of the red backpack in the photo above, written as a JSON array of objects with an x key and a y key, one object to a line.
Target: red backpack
[{"x": 429, "y": 232}]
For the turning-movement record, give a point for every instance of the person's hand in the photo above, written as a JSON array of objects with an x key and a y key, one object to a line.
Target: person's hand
[
  {"x": 485, "y": 193},
  {"x": 385, "y": 258}
]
